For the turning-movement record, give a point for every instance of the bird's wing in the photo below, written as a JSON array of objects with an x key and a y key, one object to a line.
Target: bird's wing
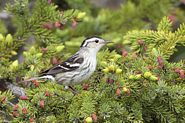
[{"x": 70, "y": 64}]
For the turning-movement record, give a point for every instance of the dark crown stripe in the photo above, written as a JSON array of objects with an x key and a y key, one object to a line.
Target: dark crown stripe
[{"x": 85, "y": 43}]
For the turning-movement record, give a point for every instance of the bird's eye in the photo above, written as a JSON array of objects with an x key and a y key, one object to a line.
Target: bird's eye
[{"x": 96, "y": 41}]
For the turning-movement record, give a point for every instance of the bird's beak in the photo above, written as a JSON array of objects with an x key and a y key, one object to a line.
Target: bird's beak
[{"x": 107, "y": 42}]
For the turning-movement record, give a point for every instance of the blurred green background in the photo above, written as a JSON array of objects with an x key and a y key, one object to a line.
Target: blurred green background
[{"x": 110, "y": 19}]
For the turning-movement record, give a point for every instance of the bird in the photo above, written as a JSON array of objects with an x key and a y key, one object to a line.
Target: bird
[{"x": 79, "y": 66}]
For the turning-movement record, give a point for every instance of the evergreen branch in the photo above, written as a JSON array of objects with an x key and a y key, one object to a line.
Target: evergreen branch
[
  {"x": 165, "y": 25},
  {"x": 181, "y": 30},
  {"x": 88, "y": 105}
]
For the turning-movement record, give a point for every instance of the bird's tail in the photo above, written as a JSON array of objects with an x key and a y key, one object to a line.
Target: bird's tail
[{"x": 41, "y": 77}]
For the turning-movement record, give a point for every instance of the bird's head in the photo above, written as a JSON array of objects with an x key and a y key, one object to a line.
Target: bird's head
[{"x": 94, "y": 43}]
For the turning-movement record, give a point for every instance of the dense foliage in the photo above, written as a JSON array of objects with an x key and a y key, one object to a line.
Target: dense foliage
[{"x": 134, "y": 80}]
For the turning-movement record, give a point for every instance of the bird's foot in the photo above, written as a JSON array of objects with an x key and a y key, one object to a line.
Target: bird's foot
[{"x": 74, "y": 91}]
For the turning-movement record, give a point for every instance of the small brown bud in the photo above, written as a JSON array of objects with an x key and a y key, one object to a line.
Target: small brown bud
[
  {"x": 160, "y": 62},
  {"x": 74, "y": 23},
  {"x": 118, "y": 92},
  {"x": 177, "y": 70},
  {"x": 57, "y": 24},
  {"x": 15, "y": 107},
  {"x": 23, "y": 97},
  {"x": 124, "y": 53},
  {"x": 47, "y": 94},
  {"x": 41, "y": 103},
  {"x": 94, "y": 117},
  {"x": 145, "y": 48},
  {"x": 150, "y": 67},
  {"x": 172, "y": 18},
  {"x": 49, "y": 1},
  {"x": 36, "y": 83},
  {"x": 85, "y": 86},
  {"x": 140, "y": 42},
  {"x": 181, "y": 74},
  {"x": 54, "y": 61},
  {"x": 15, "y": 113},
  {"x": 31, "y": 119},
  {"x": 110, "y": 81},
  {"x": 24, "y": 110}
]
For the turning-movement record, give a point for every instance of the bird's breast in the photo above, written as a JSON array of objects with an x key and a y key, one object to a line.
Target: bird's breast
[{"x": 86, "y": 70}]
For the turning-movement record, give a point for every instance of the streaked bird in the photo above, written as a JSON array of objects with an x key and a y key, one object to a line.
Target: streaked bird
[{"x": 78, "y": 67}]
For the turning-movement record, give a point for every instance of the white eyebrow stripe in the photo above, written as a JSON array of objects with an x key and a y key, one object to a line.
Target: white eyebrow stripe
[{"x": 90, "y": 40}]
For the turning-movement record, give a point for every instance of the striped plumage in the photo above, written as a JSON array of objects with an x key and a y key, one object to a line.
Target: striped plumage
[
  {"x": 78, "y": 67},
  {"x": 85, "y": 69}
]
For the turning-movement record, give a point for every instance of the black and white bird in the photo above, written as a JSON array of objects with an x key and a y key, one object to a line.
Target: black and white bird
[{"x": 78, "y": 67}]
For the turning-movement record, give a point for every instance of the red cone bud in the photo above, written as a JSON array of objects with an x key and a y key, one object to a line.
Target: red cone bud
[
  {"x": 57, "y": 24},
  {"x": 172, "y": 18},
  {"x": 177, "y": 70},
  {"x": 15, "y": 107},
  {"x": 124, "y": 53},
  {"x": 182, "y": 1},
  {"x": 49, "y": 1},
  {"x": 23, "y": 97},
  {"x": 145, "y": 48},
  {"x": 41, "y": 103},
  {"x": 94, "y": 117},
  {"x": 54, "y": 61},
  {"x": 24, "y": 110},
  {"x": 181, "y": 74},
  {"x": 140, "y": 42},
  {"x": 160, "y": 62},
  {"x": 15, "y": 114},
  {"x": 110, "y": 81},
  {"x": 47, "y": 94},
  {"x": 74, "y": 23},
  {"x": 31, "y": 119},
  {"x": 36, "y": 83},
  {"x": 118, "y": 92},
  {"x": 85, "y": 87}
]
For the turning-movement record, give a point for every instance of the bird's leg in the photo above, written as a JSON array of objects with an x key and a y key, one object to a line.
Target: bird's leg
[{"x": 73, "y": 90}]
